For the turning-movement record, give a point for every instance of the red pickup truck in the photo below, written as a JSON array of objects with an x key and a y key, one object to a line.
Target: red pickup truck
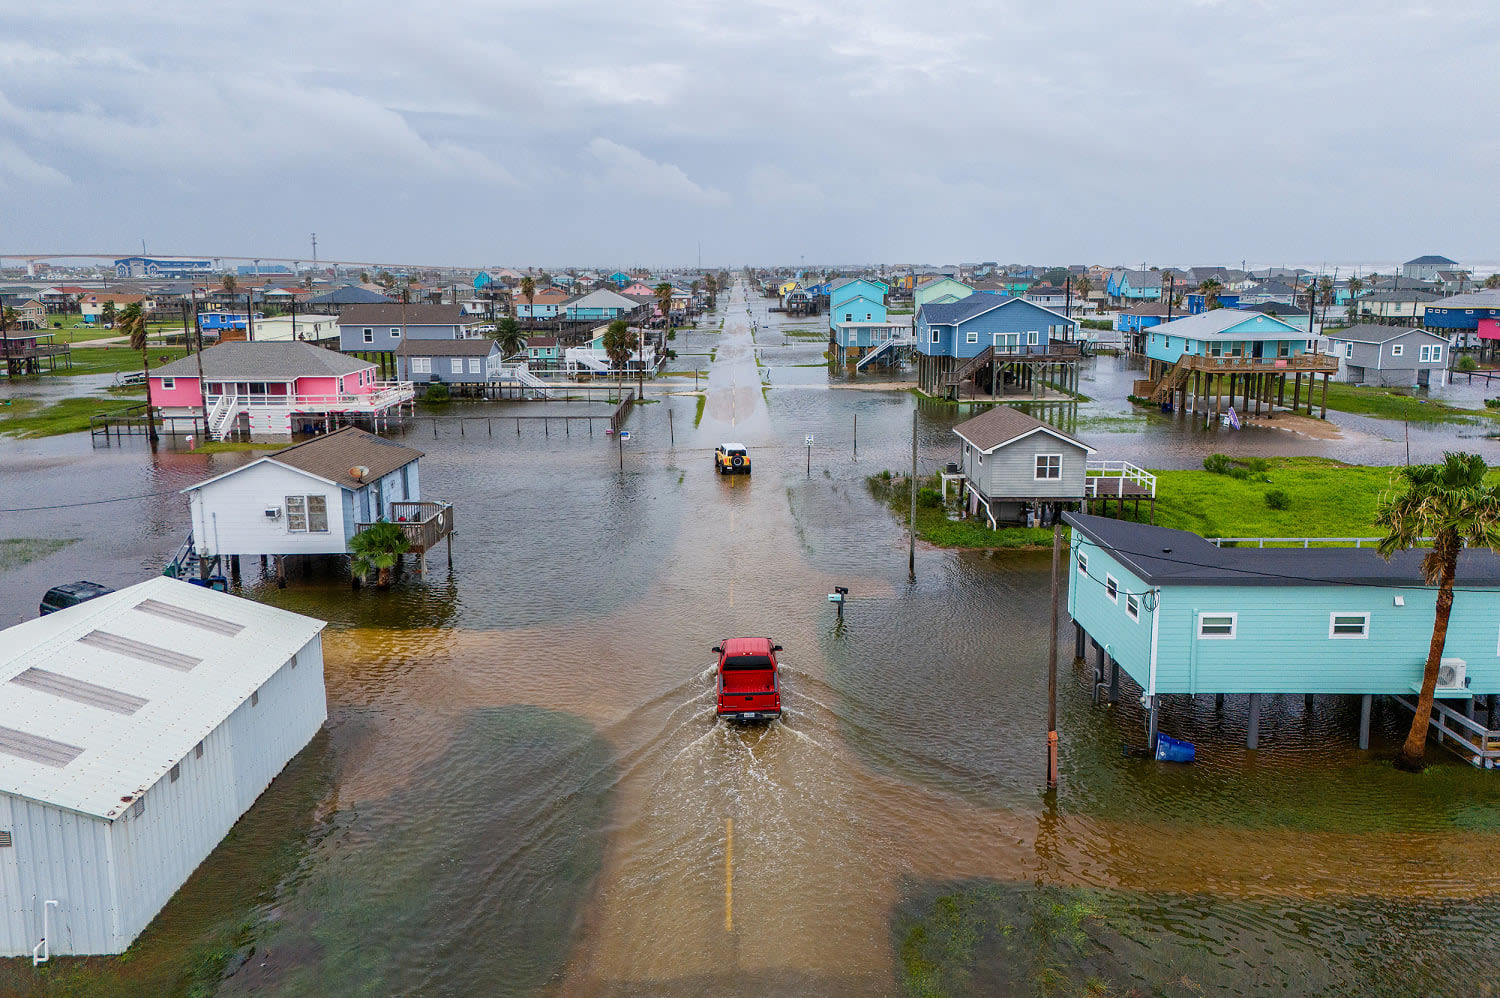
[{"x": 749, "y": 686}]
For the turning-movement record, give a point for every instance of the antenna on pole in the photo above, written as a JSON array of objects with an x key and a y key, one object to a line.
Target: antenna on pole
[{"x": 315, "y": 250}]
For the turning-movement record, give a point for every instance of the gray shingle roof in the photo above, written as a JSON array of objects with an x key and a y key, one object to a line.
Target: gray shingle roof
[
  {"x": 264, "y": 361},
  {"x": 1430, "y": 260},
  {"x": 1369, "y": 332},
  {"x": 412, "y": 315},
  {"x": 1002, "y": 424},
  {"x": 479, "y": 347},
  {"x": 1160, "y": 556},
  {"x": 1489, "y": 298},
  {"x": 349, "y": 294}
]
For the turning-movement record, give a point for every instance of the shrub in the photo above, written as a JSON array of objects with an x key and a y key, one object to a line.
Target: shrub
[
  {"x": 1217, "y": 464},
  {"x": 1278, "y": 499},
  {"x": 436, "y": 392},
  {"x": 1492, "y": 403},
  {"x": 929, "y": 499},
  {"x": 672, "y": 333},
  {"x": 1467, "y": 363}
]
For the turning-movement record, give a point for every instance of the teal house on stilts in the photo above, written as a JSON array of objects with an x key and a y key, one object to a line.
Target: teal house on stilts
[{"x": 1182, "y": 616}]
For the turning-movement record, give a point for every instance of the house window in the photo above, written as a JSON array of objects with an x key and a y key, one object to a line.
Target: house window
[
  {"x": 307, "y": 514},
  {"x": 935, "y": 334},
  {"x": 168, "y": 384},
  {"x": 255, "y": 699},
  {"x": 457, "y": 365},
  {"x": 473, "y": 365},
  {"x": 1220, "y": 626},
  {"x": 848, "y": 316},
  {"x": 1083, "y": 563},
  {"x": 1033, "y": 337},
  {"x": 1112, "y": 589},
  {"x": 1348, "y": 625},
  {"x": 421, "y": 365},
  {"x": 1133, "y": 606},
  {"x": 972, "y": 336},
  {"x": 369, "y": 335},
  {"x": 1348, "y": 349},
  {"x": 395, "y": 332},
  {"x": 1431, "y": 354},
  {"x": 868, "y": 316},
  {"x": 1398, "y": 350},
  {"x": 1048, "y": 466}
]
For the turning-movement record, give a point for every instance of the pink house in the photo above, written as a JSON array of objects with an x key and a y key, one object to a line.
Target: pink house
[
  {"x": 272, "y": 386},
  {"x": 639, "y": 289},
  {"x": 1489, "y": 329}
]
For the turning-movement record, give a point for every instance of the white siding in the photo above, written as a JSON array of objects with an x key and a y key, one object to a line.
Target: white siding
[
  {"x": 112, "y": 878},
  {"x": 241, "y": 525}
]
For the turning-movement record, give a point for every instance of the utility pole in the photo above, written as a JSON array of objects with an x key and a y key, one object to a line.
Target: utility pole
[
  {"x": 1052, "y": 658},
  {"x": 911, "y": 540},
  {"x": 202, "y": 384},
  {"x": 250, "y": 317},
  {"x": 315, "y": 251}
]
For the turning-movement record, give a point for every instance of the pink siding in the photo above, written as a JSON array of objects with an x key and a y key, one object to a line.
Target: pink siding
[
  {"x": 183, "y": 393},
  {"x": 1489, "y": 329},
  {"x": 317, "y": 386}
]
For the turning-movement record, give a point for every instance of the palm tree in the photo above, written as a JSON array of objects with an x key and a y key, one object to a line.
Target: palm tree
[
  {"x": 1325, "y": 295},
  {"x": 617, "y": 346},
  {"x": 510, "y": 338},
  {"x": 663, "y": 292},
  {"x": 230, "y": 283},
  {"x": 375, "y": 549},
  {"x": 133, "y": 324},
  {"x": 108, "y": 314},
  {"x": 1083, "y": 286},
  {"x": 1493, "y": 281},
  {"x": 528, "y": 291},
  {"x": 1450, "y": 503},
  {"x": 1210, "y": 289}
]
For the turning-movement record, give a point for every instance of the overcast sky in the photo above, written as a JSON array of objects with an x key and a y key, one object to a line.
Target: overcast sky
[{"x": 482, "y": 133}]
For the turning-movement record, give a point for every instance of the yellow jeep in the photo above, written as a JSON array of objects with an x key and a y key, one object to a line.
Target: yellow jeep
[{"x": 731, "y": 459}]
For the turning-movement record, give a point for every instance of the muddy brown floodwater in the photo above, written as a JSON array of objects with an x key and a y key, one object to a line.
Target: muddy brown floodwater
[{"x": 523, "y": 788}]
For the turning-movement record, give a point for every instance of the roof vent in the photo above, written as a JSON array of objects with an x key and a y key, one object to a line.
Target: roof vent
[{"x": 358, "y": 472}]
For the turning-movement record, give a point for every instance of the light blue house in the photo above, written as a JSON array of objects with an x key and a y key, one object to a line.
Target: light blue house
[
  {"x": 1180, "y": 615},
  {"x": 602, "y": 305},
  {"x": 856, "y": 300},
  {"x": 1133, "y": 285},
  {"x": 1226, "y": 332}
]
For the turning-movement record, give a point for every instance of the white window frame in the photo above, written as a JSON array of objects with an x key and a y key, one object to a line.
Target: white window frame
[
  {"x": 1033, "y": 337},
  {"x": 1037, "y": 468},
  {"x": 937, "y": 334},
  {"x": 1083, "y": 563},
  {"x": 1234, "y": 625},
  {"x": 1133, "y": 606},
  {"x": 972, "y": 336},
  {"x": 1349, "y": 349},
  {"x": 1397, "y": 350},
  {"x": 420, "y": 365},
  {"x": 1364, "y": 631},
  {"x": 395, "y": 332},
  {"x": 168, "y": 384},
  {"x": 456, "y": 365},
  {"x": 474, "y": 366},
  {"x": 1112, "y": 588},
  {"x": 369, "y": 334}
]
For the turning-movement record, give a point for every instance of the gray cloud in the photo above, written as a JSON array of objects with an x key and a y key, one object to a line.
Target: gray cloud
[{"x": 1170, "y": 130}]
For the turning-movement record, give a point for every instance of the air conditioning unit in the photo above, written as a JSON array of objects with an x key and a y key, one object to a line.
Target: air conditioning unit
[
  {"x": 1452, "y": 674},
  {"x": 273, "y": 512}
]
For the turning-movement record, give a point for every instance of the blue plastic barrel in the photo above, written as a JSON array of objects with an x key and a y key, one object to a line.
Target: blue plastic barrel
[{"x": 1169, "y": 749}]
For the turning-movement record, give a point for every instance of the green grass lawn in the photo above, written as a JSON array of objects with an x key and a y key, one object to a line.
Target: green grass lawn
[
  {"x": 1388, "y": 403},
  {"x": 1325, "y": 498},
  {"x": 17, "y": 551},
  {"x": 804, "y": 334},
  {"x": 118, "y": 358},
  {"x": 30, "y": 418}
]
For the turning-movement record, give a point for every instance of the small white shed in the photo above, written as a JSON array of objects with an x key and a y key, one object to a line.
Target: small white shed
[{"x": 135, "y": 730}]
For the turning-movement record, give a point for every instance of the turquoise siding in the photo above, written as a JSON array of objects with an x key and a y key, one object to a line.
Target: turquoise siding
[
  {"x": 859, "y": 308},
  {"x": 1281, "y": 642},
  {"x": 1258, "y": 337}
]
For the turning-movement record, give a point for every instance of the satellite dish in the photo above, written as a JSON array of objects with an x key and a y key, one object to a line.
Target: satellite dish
[{"x": 358, "y": 472}]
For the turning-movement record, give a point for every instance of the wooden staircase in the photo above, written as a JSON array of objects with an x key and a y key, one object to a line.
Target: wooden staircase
[
  {"x": 1171, "y": 383},
  {"x": 966, "y": 370}
]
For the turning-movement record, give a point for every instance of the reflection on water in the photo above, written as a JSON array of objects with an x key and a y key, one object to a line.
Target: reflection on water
[{"x": 527, "y": 790}]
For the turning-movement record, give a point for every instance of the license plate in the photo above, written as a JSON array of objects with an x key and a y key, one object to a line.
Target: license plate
[{"x": 750, "y": 716}]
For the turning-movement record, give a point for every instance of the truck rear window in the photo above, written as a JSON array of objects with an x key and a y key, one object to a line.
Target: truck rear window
[{"x": 748, "y": 662}]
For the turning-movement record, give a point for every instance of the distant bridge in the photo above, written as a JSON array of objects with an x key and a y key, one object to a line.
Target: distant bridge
[{"x": 32, "y": 259}]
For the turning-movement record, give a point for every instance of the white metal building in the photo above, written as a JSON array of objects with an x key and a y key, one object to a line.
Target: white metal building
[{"x": 135, "y": 730}]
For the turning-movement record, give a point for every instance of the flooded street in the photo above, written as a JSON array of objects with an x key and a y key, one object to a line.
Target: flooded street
[{"x": 524, "y": 789}]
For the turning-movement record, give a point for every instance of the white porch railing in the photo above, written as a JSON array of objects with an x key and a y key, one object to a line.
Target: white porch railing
[
  {"x": 902, "y": 339},
  {"x": 386, "y": 395},
  {"x": 1109, "y": 478},
  {"x": 222, "y": 416},
  {"x": 521, "y": 373}
]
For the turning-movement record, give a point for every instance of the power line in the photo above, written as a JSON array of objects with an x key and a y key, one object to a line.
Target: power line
[{"x": 91, "y": 502}]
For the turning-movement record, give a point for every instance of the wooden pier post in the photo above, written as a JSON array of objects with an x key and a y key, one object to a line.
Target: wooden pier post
[
  {"x": 1325, "y": 397},
  {"x": 1364, "y": 720},
  {"x": 1052, "y": 658},
  {"x": 1114, "y": 682},
  {"x": 1252, "y": 737},
  {"x": 1297, "y": 392},
  {"x": 1077, "y": 642}
]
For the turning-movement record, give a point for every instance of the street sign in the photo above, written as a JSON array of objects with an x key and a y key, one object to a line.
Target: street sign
[
  {"x": 809, "y": 439},
  {"x": 624, "y": 434}
]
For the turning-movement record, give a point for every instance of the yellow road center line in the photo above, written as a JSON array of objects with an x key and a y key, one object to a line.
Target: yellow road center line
[{"x": 728, "y": 874}]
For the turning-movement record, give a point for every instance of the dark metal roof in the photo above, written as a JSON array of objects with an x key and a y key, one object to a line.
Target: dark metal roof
[
  {"x": 1160, "y": 556},
  {"x": 332, "y": 456},
  {"x": 949, "y": 312},
  {"x": 480, "y": 347},
  {"x": 1430, "y": 260}
]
